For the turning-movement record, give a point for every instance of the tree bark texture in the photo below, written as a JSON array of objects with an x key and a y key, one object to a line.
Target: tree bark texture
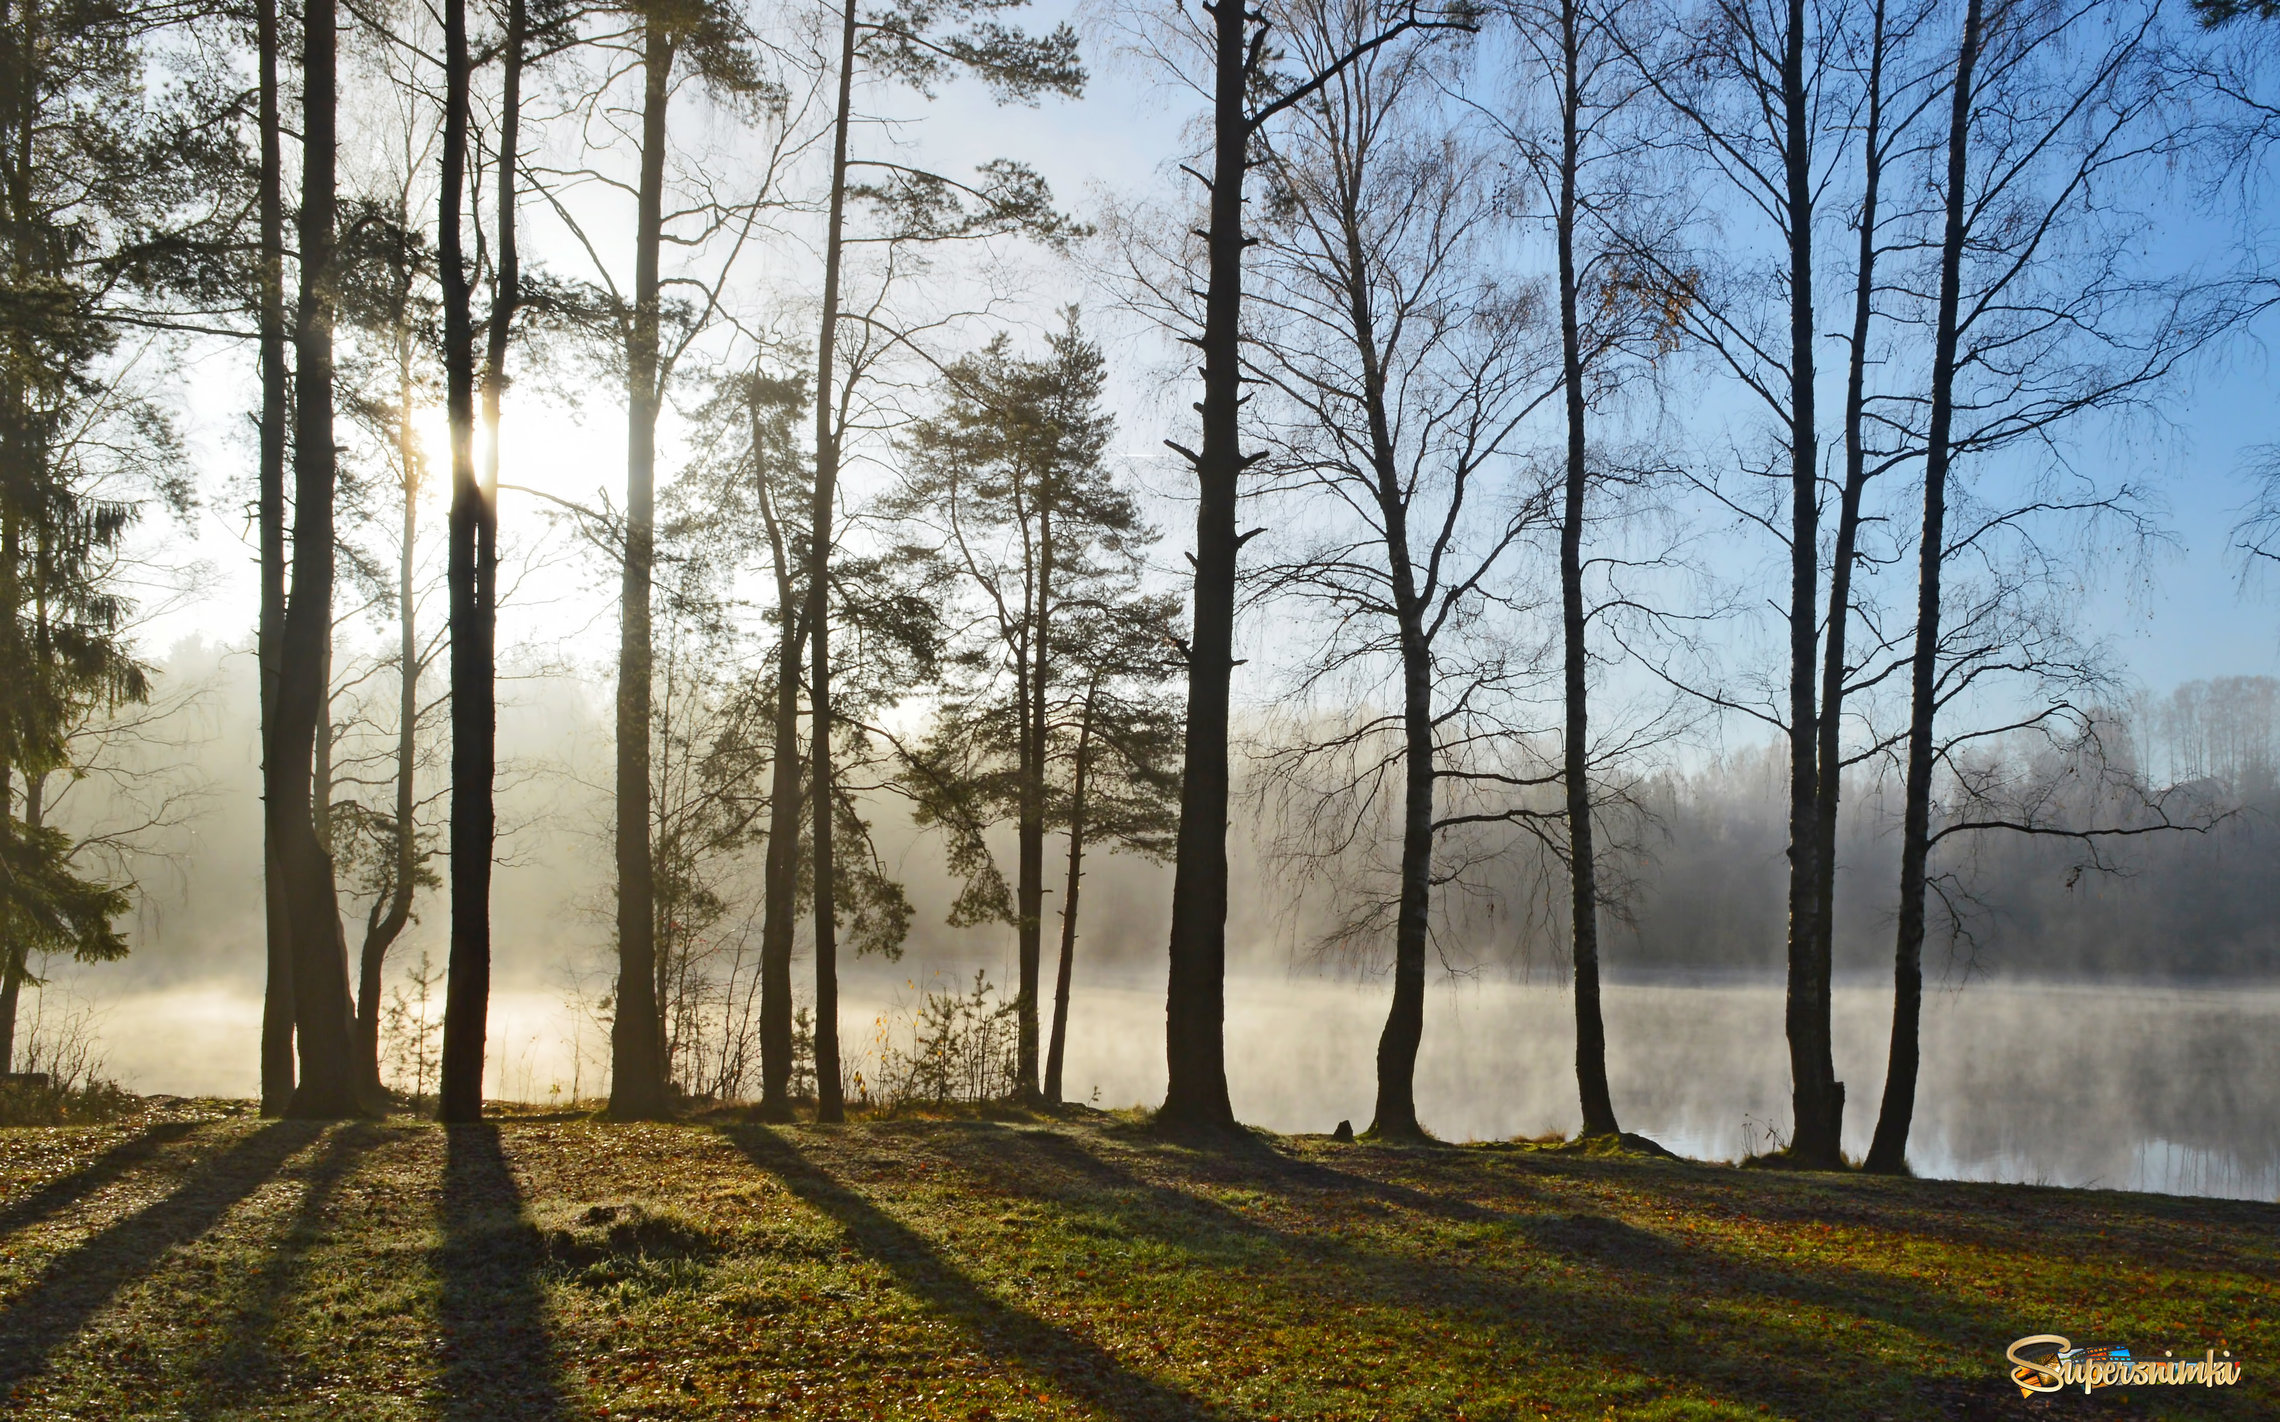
[{"x": 1888, "y": 1151}]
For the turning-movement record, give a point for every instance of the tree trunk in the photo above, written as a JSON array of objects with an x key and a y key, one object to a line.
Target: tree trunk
[
  {"x": 1833, "y": 667},
  {"x": 321, "y": 776},
  {"x": 459, "y": 1094},
  {"x": 1396, "y": 1115},
  {"x": 323, "y": 1015},
  {"x": 12, "y": 964},
  {"x": 1817, "y": 1100},
  {"x": 387, "y": 923},
  {"x": 781, "y": 885},
  {"x": 1396, "y": 1112},
  {"x": 1029, "y": 887},
  {"x": 829, "y": 1103},
  {"x": 15, "y": 454},
  {"x": 371, "y": 980},
  {"x": 1056, "y": 1047},
  {"x": 11, "y": 990},
  {"x": 637, "y": 1050},
  {"x": 474, "y": 613},
  {"x": 672, "y": 953},
  {"x": 277, "y": 994},
  {"x": 1583, "y": 871},
  {"x": 15, "y": 968},
  {"x": 1195, "y": 999},
  {"x": 1888, "y": 1152}
]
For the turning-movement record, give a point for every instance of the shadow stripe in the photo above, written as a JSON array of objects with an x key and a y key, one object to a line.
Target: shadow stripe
[
  {"x": 1076, "y": 1364},
  {"x": 65, "y": 1191},
  {"x": 244, "y": 1366},
  {"x": 499, "y": 1352},
  {"x": 77, "y": 1286}
]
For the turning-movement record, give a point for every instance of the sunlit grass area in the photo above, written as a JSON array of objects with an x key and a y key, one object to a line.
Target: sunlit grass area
[{"x": 205, "y": 1264}]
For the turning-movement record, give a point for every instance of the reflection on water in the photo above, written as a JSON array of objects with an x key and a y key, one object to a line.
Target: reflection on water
[{"x": 2125, "y": 1087}]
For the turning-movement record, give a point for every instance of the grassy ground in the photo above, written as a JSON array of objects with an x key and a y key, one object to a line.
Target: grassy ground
[{"x": 203, "y": 1264}]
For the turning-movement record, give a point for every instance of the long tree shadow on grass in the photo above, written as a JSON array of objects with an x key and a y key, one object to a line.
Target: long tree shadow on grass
[
  {"x": 2168, "y": 1231},
  {"x": 1051, "y": 1353},
  {"x": 79, "y": 1284},
  {"x": 1638, "y": 1299},
  {"x": 1239, "y": 1158},
  {"x": 67, "y": 1190},
  {"x": 498, "y": 1349},
  {"x": 246, "y": 1363}
]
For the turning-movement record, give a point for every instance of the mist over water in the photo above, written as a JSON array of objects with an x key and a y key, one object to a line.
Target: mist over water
[
  {"x": 2059, "y": 1070},
  {"x": 2116, "y": 1086}
]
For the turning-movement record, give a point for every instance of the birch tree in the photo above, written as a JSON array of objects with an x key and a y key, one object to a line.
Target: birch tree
[{"x": 1403, "y": 370}]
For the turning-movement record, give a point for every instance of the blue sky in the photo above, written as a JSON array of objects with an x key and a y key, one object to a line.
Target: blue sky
[{"x": 2187, "y": 616}]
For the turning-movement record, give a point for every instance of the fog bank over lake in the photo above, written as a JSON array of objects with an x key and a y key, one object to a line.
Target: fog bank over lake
[
  {"x": 2120, "y": 1086},
  {"x": 2089, "y": 1083}
]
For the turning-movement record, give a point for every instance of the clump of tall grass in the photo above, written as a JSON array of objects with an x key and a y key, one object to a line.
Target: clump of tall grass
[
  {"x": 60, "y": 1079},
  {"x": 961, "y": 1048},
  {"x": 37, "y": 1100}
]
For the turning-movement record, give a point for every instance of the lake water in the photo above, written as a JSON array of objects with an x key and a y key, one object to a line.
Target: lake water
[{"x": 2123, "y": 1087}]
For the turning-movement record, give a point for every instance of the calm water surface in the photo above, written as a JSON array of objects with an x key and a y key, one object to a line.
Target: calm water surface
[{"x": 2124, "y": 1087}]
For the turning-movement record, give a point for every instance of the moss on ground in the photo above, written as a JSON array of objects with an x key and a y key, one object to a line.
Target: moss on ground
[{"x": 207, "y": 1265}]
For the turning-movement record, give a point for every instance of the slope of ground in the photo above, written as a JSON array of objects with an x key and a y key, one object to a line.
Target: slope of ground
[{"x": 548, "y": 1268}]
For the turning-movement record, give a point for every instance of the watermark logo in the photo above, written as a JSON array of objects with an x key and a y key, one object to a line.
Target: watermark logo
[{"x": 2046, "y": 1362}]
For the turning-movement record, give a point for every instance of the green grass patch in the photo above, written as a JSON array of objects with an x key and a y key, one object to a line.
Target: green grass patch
[{"x": 1014, "y": 1265}]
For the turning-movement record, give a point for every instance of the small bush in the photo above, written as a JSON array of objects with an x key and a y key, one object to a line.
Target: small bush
[
  {"x": 58, "y": 1078},
  {"x": 411, "y": 1031},
  {"x": 25, "y": 1103},
  {"x": 963, "y": 1048}
]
